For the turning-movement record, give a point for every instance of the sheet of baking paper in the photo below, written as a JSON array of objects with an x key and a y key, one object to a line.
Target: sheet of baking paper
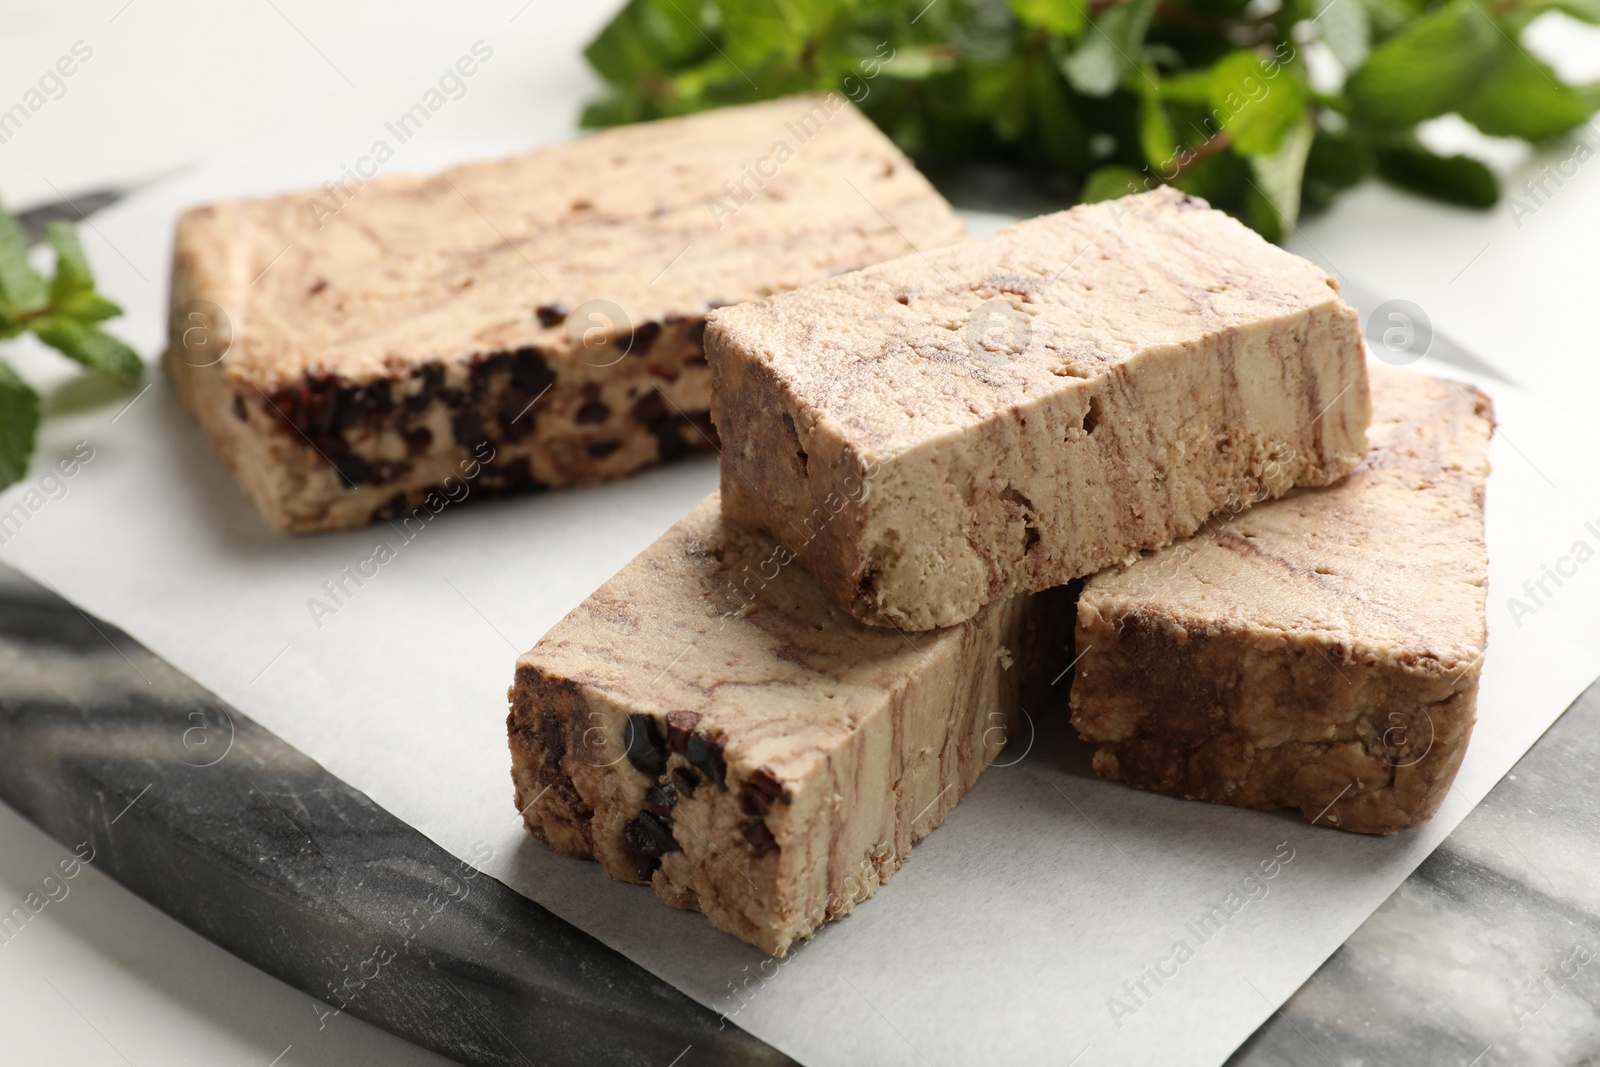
[{"x": 1053, "y": 919}]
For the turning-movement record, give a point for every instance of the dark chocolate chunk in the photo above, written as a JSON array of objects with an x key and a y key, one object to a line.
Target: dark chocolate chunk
[
  {"x": 680, "y": 729},
  {"x": 384, "y": 471},
  {"x": 392, "y": 508},
  {"x": 661, "y": 798},
  {"x": 432, "y": 379},
  {"x": 468, "y": 429},
  {"x": 485, "y": 369},
  {"x": 705, "y": 755},
  {"x": 530, "y": 372},
  {"x": 762, "y": 843},
  {"x": 352, "y": 469},
  {"x": 760, "y": 791},
  {"x": 515, "y": 476},
  {"x": 602, "y": 449},
  {"x": 317, "y": 286},
  {"x": 551, "y": 314},
  {"x": 670, "y": 444},
  {"x": 643, "y": 338},
  {"x": 651, "y": 409},
  {"x": 687, "y": 779},
  {"x": 418, "y": 440},
  {"x": 648, "y": 838},
  {"x": 592, "y": 412},
  {"x": 647, "y": 749},
  {"x": 238, "y": 409}
]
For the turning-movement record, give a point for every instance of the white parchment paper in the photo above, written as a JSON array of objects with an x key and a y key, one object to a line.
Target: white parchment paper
[{"x": 1053, "y": 919}]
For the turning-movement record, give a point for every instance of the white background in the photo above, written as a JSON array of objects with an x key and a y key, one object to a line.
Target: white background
[{"x": 170, "y": 84}]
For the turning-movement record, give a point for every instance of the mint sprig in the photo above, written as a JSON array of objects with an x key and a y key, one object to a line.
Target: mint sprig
[
  {"x": 1214, "y": 97},
  {"x": 63, "y": 312}
]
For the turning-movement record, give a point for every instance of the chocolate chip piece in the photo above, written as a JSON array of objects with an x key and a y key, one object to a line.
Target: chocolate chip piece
[
  {"x": 686, "y": 779},
  {"x": 602, "y": 449},
  {"x": 670, "y": 444},
  {"x": 385, "y": 471},
  {"x": 651, "y": 408},
  {"x": 317, "y": 286},
  {"x": 432, "y": 379},
  {"x": 530, "y": 372},
  {"x": 648, "y": 838},
  {"x": 760, "y": 791},
  {"x": 552, "y": 314},
  {"x": 762, "y": 843},
  {"x": 512, "y": 476},
  {"x": 643, "y": 338},
  {"x": 680, "y": 730},
  {"x": 485, "y": 369},
  {"x": 705, "y": 755},
  {"x": 647, "y": 749},
  {"x": 392, "y": 508},
  {"x": 238, "y": 409},
  {"x": 592, "y": 412},
  {"x": 352, "y": 470},
  {"x": 418, "y": 440},
  {"x": 468, "y": 429},
  {"x": 661, "y": 798}
]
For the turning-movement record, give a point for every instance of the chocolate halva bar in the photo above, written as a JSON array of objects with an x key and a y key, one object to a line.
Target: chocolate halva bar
[
  {"x": 708, "y": 722},
  {"x": 1319, "y": 652},
  {"x": 534, "y": 321},
  {"x": 1032, "y": 408}
]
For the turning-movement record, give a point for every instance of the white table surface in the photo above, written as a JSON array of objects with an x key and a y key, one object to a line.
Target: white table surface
[{"x": 102, "y": 978}]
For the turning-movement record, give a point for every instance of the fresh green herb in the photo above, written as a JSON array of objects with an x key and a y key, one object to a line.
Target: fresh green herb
[
  {"x": 1214, "y": 97},
  {"x": 64, "y": 313}
]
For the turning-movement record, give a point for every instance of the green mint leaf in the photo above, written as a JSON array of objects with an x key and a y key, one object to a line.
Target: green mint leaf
[
  {"x": 22, "y": 289},
  {"x": 651, "y": 37},
  {"x": 1337, "y": 160},
  {"x": 1346, "y": 29},
  {"x": 1524, "y": 99},
  {"x": 755, "y": 33},
  {"x": 1388, "y": 17},
  {"x": 1431, "y": 67},
  {"x": 1274, "y": 196},
  {"x": 1258, "y": 102},
  {"x": 87, "y": 306},
  {"x": 1013, "y": 117},
  {"x": 1063, "y": 140},
  {"x": 916, "y": 62},
  {"x": 73, "y": 275},
  {"x": 1191, "y": 87},
  {"x": 92, "y": 347},
  {"x": 1453, "y": 179},
  {"x": 1158, "y": 141},
  {"x": 1109, "y": 48},
  {"x": 1108, "y": 183},
  {"x": 1583, "y": 10},
  {"x": 19, "y": 424},
  {"x": 1062, "y": 17}
]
